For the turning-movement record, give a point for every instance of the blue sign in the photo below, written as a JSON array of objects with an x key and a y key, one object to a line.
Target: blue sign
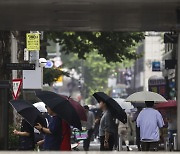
[
  {"x": 49, "y": 64},
  {"x": 156, "y": 66}
]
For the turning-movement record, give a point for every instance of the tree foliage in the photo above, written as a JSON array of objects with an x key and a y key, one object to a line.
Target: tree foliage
[
  {"x": 51, "y": 75},
  {"x": 95, "y": 70},
  {"x": 114, "y": 46}
]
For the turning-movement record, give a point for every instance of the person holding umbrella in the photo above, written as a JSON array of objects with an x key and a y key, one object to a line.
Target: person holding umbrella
[
  {"x": 111, "y": 111},
  {"x": 106, "y": 129},
  {"x": 38, "y": 135},
  {"x": 53, "y": 134},
  {"x": 149, "y": 121},
  {"x": 26, "y": 136},
  {"x": 31, "y": 116}
]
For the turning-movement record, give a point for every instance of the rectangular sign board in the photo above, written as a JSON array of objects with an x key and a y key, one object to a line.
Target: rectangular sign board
[
  {"x": 5, "y": 84},
  {"x": 33, "y": 41},
  {"x": 20, "y": 66},
  {"x": 33, "y": 79},
  {"x": 156, "y": 66}
]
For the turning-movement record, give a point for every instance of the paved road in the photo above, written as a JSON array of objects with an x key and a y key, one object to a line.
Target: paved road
[{"x": 94, "y": 146}]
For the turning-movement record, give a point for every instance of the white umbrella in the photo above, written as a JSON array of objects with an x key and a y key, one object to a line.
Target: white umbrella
[
  {"x": 40, "y": 106},
  {"x": 145, "y": 96},
  {"x": 125, "y": 105}
]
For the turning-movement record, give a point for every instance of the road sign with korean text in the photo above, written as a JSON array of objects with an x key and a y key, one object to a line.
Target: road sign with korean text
[{"x": 33, "y": 41}]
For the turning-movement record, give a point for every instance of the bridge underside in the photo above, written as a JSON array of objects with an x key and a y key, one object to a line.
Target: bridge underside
[{"x": 89, "y": 15}]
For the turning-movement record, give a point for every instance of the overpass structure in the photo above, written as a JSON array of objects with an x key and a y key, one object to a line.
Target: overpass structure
[
  {"x": 93, "y": 15},
  {"x": 89, "y": 15}
]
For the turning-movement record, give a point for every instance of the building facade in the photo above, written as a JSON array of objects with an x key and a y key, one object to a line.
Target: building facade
[{"x": 152, "y": 50}]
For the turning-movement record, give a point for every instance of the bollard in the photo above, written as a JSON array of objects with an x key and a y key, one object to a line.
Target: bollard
[
  {"x": 120, "y": 143},
  {"x": 175, "y": 141},
  {"x": 166, "y": 144}
]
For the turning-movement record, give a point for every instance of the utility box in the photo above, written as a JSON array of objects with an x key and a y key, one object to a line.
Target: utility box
[{"x": 33, "y": 79}]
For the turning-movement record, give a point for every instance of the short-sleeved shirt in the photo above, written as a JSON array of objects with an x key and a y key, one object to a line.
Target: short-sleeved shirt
[
  {"x": 53, "y": 140},
  {"x": 26, "y": 142},
  {"x": 107, "y": 124},
  {"x": 149, "y": 120}
]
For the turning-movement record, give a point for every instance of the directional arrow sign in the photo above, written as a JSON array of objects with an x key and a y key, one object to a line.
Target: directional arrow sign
[{"x": 16, "y": 87}]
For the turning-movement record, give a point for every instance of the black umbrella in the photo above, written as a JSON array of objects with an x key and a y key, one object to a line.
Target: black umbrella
[
  {"x": 60, "y": 106},
  {"x": 28, "y": 112},
  {"x": 113, "y": 106}
]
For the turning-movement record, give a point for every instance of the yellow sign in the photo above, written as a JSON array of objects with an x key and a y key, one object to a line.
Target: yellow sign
[
  {"x": 60, "y": 79},
  {"x": 32, "y": 41}
]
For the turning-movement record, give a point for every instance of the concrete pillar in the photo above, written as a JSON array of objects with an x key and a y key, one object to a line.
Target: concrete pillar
[
  {"x": 14, "y": 54},
  {"x": 178, "y": 92},
  {"x": 14, "y": 49}
]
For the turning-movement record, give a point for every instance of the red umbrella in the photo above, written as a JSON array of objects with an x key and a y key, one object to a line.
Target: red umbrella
[
  {"x": 166, "y": 105},
  {"x": 79, "y": 109}
]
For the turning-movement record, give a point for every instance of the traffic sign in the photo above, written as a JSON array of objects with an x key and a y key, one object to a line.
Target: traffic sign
[
  {"x": 20, "y": 66},
  {"x": 33, "y": 41},
  {"x": 16, "y": 87},
  {"x": 49, "y": 64}
]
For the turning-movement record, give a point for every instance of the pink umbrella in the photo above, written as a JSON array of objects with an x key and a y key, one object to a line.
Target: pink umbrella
[{"x": 79, "y": 109}]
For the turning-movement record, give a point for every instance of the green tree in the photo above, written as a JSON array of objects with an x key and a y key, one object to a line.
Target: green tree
[
  {"x": 51, "y": 75},
  {"x": 114, "y": 46},
  {"x": 95, "y": 70}
]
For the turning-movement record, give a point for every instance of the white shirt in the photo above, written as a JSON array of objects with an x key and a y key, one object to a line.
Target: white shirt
[{"x": 149, "y": 120}]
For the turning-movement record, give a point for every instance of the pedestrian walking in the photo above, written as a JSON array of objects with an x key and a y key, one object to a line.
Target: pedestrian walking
[
  {"x": 53, "y": 134},
  {"x": 106, "y": 129},
  {"x": 89, "y": 124},
  {"x": 26, "y": 136},
  {"x": 149, "y": 121},
  {"x": 125, "y": 130}
]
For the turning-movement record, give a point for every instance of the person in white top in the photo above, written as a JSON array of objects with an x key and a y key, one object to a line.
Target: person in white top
[{"x": 149, "y": 121}]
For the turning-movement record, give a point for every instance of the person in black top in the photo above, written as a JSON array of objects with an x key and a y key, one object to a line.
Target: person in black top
[
  {"x": 26, "y": 136},
  {"x": 53, "y": 134}
]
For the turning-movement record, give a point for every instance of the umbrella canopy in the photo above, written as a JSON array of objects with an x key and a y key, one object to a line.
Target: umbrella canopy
[
  {"x": 114, "y": 107},
  {"x": 127, "y": 106},
  {"x": 28, "y": 112},
  {"x": 145, "y": 96},
  {"x": 79, "y": 109},
  {"x": 166, "y": 105},
  {"x": 60, "y": 106},
  {"x": 40, "y": 106}
]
